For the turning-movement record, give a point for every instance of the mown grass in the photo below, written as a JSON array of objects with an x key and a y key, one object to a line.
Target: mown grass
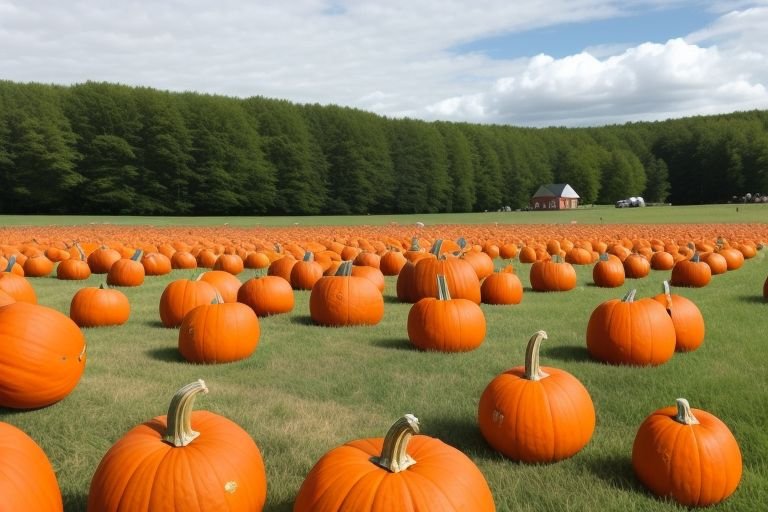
[
  {"x": 308, "y": 389},
  {"x": 599, "y": 214}
]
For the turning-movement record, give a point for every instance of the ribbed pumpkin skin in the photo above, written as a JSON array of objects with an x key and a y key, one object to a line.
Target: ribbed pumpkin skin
[
  {"x": 17, "y": 287},
  {"x": 231, "y": 263},
  {"x": 461, "y": 276},
  {"x": 102, "y": 259},
  {"x": 282, "y": 267},
  {"x": 717, "y": 264},
  {"x": 219, "y": 333},
  {"x": 268, "y": 295},
  {"x": 156, "y": 264},
  {"x": 182, "y": 296},
  {"x": 42, "y": 355},
  {"x": 501, "y": 288},
  {"x": 94, "y": 307},
  {"x": 636, "y": 266},
  {"x": 734, "y": 258},
  {"x": 126, "y": 272},
  {"x": 345, "y": 300},
  {"x": 6, "y": 298},
  {"x": 142, "y": 473},
  {"x": 696, "y": 465},
  {"x": 481, "y": 262},
  {"x": 551, "y": 276},
  {"x": 633, "y": 333},
  {"x": 443, "y": 479},
  {"x": 454, "y": 325},
  {"x": 608, "y": 273},
  {"x": 391, "y": 263},
  {"x": 690, "y": 273},
  {"x": 304, "y": 274},
  {"x": 183, "y": 260},
  {"x": 374, "y": 275},
  {"x": 536, "y": 421},
  {"x": 40, "y": 266},
  {"x": 662, "y": 260},
  {"x": 687, "y": 319},
  {"x": 227, "y": 284},
  {"x": 28, "y": 482},
  {"x": 73, "y": 270}
]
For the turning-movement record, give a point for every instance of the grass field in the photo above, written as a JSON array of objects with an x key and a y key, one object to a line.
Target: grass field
[{"x": 308, "y": 389}]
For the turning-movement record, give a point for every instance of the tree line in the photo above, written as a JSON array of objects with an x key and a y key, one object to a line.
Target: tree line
[{"x": 102, "y": 148}]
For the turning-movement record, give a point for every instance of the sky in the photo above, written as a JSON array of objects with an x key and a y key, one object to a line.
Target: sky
[{"x": 530, "y": 63}]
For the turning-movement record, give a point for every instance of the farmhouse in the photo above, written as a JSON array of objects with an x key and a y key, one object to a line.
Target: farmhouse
[{"x": 555, "y": 196}]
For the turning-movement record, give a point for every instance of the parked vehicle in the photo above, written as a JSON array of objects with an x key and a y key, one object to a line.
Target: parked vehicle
[{"x": 632, "y": 202}]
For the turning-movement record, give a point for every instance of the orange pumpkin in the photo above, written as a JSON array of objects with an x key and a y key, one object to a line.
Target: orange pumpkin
[
  {"x": 182, "y": 296},
  {"x": 631, "y": 332},
  {"x": 344, "y": 299},
  {"x": 17, "y": 287},
  {"x": 268, "y": 295},
  {"x": 460, "y": 275},
  {"x": 391, "y": 263},
  {"x": 552, "y": 275},
  {"x": 608, "y": 272},
  {"x": 222, "y": 466},
  {"x": 636, "y": 266},
  {"x": 127, "y": 271},
  {"x": 231, "y": 263},
  {"x": 156, "y": 264},
  {"x": 28, "y": 481},
  {"x": 446, "y": 324},
  {"x": 686, "y": 317},
  {"x": 536, "y": 414},
  {"x": 40, "y": 266},
  {"x": 305, "y": 273},
  {"x": 402, "y": 471},
  {"x": 688, "y": 455},
  {"x": 227, "y": 284},
  {"x": 219, "y": 333},
  {"x": 183, "y": 260},
  {"x": 95, "y": 307},
  {"x": 502, "y": 287},
  {"x": 42, "y": 353},
  {"x": 101, "y": 260},
  {"x": 694, "y": 273}
]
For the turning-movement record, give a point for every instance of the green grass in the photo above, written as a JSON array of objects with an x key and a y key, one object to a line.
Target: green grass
[
  {"x": 308, "y": 389},
  {"x": 721, "y": 213}
]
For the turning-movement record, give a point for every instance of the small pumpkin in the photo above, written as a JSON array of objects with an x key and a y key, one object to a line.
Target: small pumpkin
[
  {"x": 156, "y": 264},
  {"x": 97, "y": 307},
  {"x": 29, "y": 482},
  {"x": 532, "y": 413},
  {"x": 305, "y": 273},
  {"x": 608, "y": 271},
  {"x": 446, "y": 324},
  {"x": 74, "y": 269},
  {"x": 391, "y": 262},
  {"x": 282, "y": 267},
  {"x": 16, "y": 285},
  {"x": 636, "y": 266},
  {"x": 222, "y": 465},
  {"x": 502, "y": 287},
  {"x": 688, "y": 455},
  {"x": 102, "y": 259},
  {"x": 231, "y": 263},
  {"x": 631, "y": 332},
  {"x": 402, "y": 471},
  {"x": 686, "y": 317},
  {"x": 662, "y": 260},
  {"x": 267, "y": 295},
  {"x": 183, "y": 260},
  {"x": 127, "y": 271},
  {"x": 38, "y": 266},
  {"x": 460, "y": 275}
]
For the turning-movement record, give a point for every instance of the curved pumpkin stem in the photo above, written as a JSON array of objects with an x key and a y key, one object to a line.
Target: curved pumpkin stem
[
  {"x": 179, "y": 430},
  {"x": 668, "y": 295},
  {"x": 137, "y": 255},
  {"x": 414, "y": 244},
  {"x": 309, "y": 256},
  {"x": 11, "y": 263},
  {"x": 394, "y": 456},
  {"x": 442, "y": 288},
  {"x": 436, "y": 247},
  {"x": 684, "y": 413},
  {"x": 630, "y": 296},
  {"x": 80, "y": 251},
  {"x": 532, "y": 367},
  {"x": 345, "y": 269}
]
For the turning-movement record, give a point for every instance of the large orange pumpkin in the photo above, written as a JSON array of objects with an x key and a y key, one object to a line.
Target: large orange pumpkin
[
  {"x": 42, "y": 354},
  {"x": 399, "y": 472},
  {"x": 461, "y": 276},
  {"x": 127, "y": 271},
  {"x": 552, "y": 275},
  {"x": 693, "y": 273},
  {"x": 28, "y": 482},
  {"x": 182, "y": 296},
  {"x": 688, "y": 455},
  {"x": 267, "y": 295},
  {"x": 631, "y": 332},
  {"x": 165, "y": 465},
  {"x": 219, "y": 333},
  {"x": 102, "y": 306},
  {"x": 344, "y": 299},
  {"x": 532, "y": 413},
  {"x": 608, "y": 271}
]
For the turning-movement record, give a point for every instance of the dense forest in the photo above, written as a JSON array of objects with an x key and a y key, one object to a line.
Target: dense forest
[{"x": 113, "y": 149}]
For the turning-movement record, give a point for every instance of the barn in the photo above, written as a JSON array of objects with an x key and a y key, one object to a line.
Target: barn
[{"x": 555, "y": 196}]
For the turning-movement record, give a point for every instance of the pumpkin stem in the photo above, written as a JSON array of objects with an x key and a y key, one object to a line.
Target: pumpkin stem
[
  {"x": 309, "y": 256},
  {"x": 442, "y": 288},
  {"x": 345, "y": 268},
  {"x": 82, "y": 352},
  {"x": 630, "y": 296},
  {"x": 136, "y": 255},
  {"x": 80, "y": 250},
  {"x": 461, "y": 242},
  {"x": 414, "y": 244},
  {"x": 684, "y": 413},
  {"x": 668, "y": 295},
  {"x": 696, "y": 257},
  {"x": 179, "y": 430},
  {"x": 394, "y": 457},
  {"x": 11, "y": 262},
  {"x": 604, "y": 256},
  {"x": 436, "y": 248},
  {"x": 532, "y": 369}
]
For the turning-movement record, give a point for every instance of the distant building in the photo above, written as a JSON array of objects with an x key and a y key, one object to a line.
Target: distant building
[{"x": 555, "y": 196}]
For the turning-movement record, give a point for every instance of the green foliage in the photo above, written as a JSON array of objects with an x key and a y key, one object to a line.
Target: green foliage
[{"x": 112, "y": 149}]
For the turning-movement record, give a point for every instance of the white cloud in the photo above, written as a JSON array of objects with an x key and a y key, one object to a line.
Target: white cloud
[{"x": 389, "y": 57}]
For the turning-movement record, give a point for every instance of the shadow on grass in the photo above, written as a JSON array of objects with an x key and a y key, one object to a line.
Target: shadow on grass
[
  {"x": 392, "y": 299},
  {"x": 753, "y": 299},
  {"x": 281, "y": 506},
  {"x": 155, "y": 323},
  {"x": 166, "y": 354},
  {"x": 394, "y": 343},
  {"x": 461, "y": 433},
  {"x": 566, "y": 353},
  {"x": 302, "y": 320},
  {"x": 74, "y": 500},
  {"x": 615, "y": 470}
]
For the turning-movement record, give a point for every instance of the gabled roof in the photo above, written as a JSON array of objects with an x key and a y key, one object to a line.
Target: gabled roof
[{"x": 557, "y": 190}]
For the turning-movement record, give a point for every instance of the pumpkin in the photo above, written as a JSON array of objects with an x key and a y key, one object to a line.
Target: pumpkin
[
  {"x": 508, "y": 251},
  {"x": 344, "y": 299},
  {"x": 227, "y": 284},
  {"x": 219, "y": 333},
  {"x": 231, "y": 263},
  {"x": 256, "y": 259},
  {"x": 102, "y": 306},
  {"x": 693, "y": 273},
  {"x": 156, "y": 264},
  {"x": 5, "y": 298},
  {"x": 527, "y": 254},
  {"x": 40, "y": 266},
  {"x": 222, "y": 466},
  {"x": 305, "y": 273},
  {"x": 662, "y": 260},
  {"x": 461, "y": 276},
  {"x": 608, "y": 271},
  {"x": 579, "y": 256},
  {"x": 445, "y": 324},
  {"x": 532, "y": 413},
  {"x": 391, "y": 262},
  {"x": 368, "y": 259},
  {"x": 636, "y": 266},
  {"x": 631, "y": 332},
  {"x": 101, "y": 260},
  {"x": 282, "y": 267},
  {"x": 17, "y": 287},
  {"x": 28, "y": 482},
  {"x": 206, "y": 258},
  {"x": 182, "y": 296},
  {"x": 734, "y": 258},
  {"x": 402, "y": 471},
  {"x": 502, "y": 287},
  {"x": 688, "y": 455},
  {"x": 374, "y": 275},
  {"x": 686, "y": 317},
  {"x": 127, "y": 271},
  {"x": 716, "y": 262},
  {"x": 42, "y": 353},
  {"x": 268, "y": 295},
  {"x": 552, "y": 275},
  {"x": 183, "y": 260},
  {"x": 481, "y": 263},
  {"x": 73, "y": 269}
]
